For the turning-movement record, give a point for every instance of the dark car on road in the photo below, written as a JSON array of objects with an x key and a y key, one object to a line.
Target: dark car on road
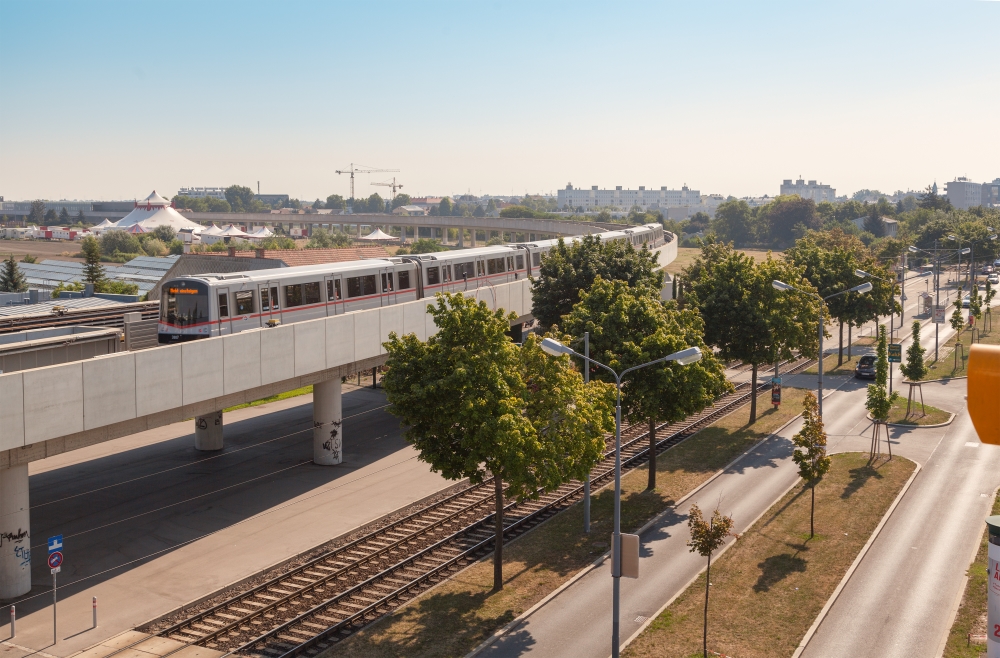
[{"x": 865, "y": 368}]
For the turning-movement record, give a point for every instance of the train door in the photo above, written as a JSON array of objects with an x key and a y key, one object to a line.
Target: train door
[
  {"x": 225, "y": 310},
  {"x": 480, "y": 270},
  {"x": 269, "y": 306},
  {"x": 334, "y": 294},
  {"x": 387, "y": 285}
]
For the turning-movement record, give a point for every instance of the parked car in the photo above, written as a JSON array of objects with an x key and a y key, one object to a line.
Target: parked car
[
  {"x": 865, "y": 368},
  {"x": 994, "y": 279}
]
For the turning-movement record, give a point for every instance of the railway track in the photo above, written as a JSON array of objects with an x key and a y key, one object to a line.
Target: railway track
[
  {"x": 335, "y": 593},
  {"x": 112, "y": 316}
]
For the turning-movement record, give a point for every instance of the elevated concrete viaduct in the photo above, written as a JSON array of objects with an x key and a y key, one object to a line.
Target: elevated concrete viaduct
[{"x": 52, "y": 410}]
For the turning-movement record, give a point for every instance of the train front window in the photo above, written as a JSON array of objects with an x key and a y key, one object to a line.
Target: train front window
[{"x": 184, "y": 304}]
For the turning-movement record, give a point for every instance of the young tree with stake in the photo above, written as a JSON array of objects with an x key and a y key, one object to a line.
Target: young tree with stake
[
  {"x": 879, "y": 402},
  {"x": 957, "y": 323},
  {"x": 478, "y": 405},
  {"x": 706, "y": 538},
  {"x": 810, "y": 452},
  {"x": 914, "y": 369}
]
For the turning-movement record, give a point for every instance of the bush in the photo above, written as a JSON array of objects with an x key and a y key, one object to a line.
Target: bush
[
  {"x": 110, "y": 287},
  {"x": 519, "y": 212},
  {"x": 277, "y": 242},
  {"x": 120, "y": 241},
  {"x": 426, "y": 246},
  {"x": 495, "y": 242},
  {"x": 323, "y": 239},
  {"x": 155, "y": 247},
  {"x": 176, "y": 248}
]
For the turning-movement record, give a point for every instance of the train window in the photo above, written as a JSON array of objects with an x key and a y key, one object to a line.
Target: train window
[
  {"x": 446, "y": 271},
  {"x": 274, "y": 299},
  {"x": 510, "y": 263},
  {"x": 265, "y": 301},
  {"x": 536, "y": 259},
  {"x": 361, "y": 285},
  {"x": 244, "y": 302},
  {"x": 404, "y": 279},
  {"x": 310, "y": 293},
  {"x": 433, "y": 275},
  {"x": 495, "y": 266},
  {"x": 520, "y": 262},
  {"x": 463, "y": 270},
  {"x": 386, "y": 282},
  {"x": 293, "y": 295},
  {"x": 223, "y": 304},
  {"x": 333, "y": 290}
]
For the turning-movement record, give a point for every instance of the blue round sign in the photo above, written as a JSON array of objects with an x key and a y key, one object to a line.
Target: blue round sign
[{"x": 55, "y": 559}]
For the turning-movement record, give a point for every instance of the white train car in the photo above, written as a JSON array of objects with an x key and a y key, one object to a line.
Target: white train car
[{"x": 219, "y": 304}]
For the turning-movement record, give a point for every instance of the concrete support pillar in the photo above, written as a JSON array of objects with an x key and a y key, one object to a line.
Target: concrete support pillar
[
  {"x": 328, "y": 420},
  {"x": 15, "y": 533},
  {"x": 461, "y": 236},
  {"x": 208, "y": 431},
  {"x": 402, "y": 235},
  {"x": 472, "y": 234}
]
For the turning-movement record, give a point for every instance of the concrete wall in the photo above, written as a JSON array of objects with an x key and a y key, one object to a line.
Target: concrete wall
[{"x": 54, "y": 409}]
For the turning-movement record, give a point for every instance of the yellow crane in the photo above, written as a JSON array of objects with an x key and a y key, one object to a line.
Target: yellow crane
[{"x": 359, "y": 169}]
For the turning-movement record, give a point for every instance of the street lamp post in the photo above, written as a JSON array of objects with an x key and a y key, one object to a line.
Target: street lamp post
[
  {"x": 937, "y": 282},
  {"x": 892, "y": 313},
  {"x": 784, "y": 287},
  {"x": 684, "y": 357}
]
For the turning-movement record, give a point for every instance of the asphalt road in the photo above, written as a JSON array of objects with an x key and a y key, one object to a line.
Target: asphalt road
[{"x": 149, "y": 523}]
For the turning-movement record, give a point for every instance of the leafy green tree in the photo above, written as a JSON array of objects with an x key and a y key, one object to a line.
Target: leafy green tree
[
  {"x": 571, "y": 268},
  {"x": 37, "y": 213},
  {"x": 879, "y": 401},
  {"x": 28, "y": 258},
  {"x": 11, "y": 277},
  {"x": 632, "y": 326},
  {"x": 932, "y": 201},
  {"x": 240, "y": 198},
  {"x": 376, "y": 204},
  {"x": 426, "y": 246},
  {"x": 745, "y": 317},
  {"x": 518, "y": 212},
  {"x": 706, "y": 538},
  {"x": 317, "y": 204},
  {"x": 479, "y": 212},
  {"x": 698, "y": 222},
  {"x": 495, "y": 242},
  {"x": 914, "y": 369},
  {"x": 67, "y": 286},
  {"x": 810, "y": 451},
  {"x": 475, "y": 404},
  {"x": 784, "y": 216},
  {"x": 64, "y": 216},
  {"x": 444, "y": 208},
  {"x": 121, "y": 242},
  {"x": 155, "y": 247},
  {"x": 164, "y": 234},
  {"x": 400, "y": 200},
  {"x": 272, "y": 242},
  {"x": 873, "y": 224},
  {"x": 324, "y": 239},
  {"x": 990, "y": 293},
  {"x": 335, "y": 202},
  {"x": 50, "y": 217},
  {"x": 734, "y": 222},
  {"x": 115, "y": 287},
  {"x": 93, "y": 271},
  {"x": 176, "y": 247}
]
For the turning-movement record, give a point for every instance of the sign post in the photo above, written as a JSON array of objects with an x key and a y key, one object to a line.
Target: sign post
[
  {"x": 895, "y": 356},
  {"x": 939, "y": 311},
  {"x": 993, "y": 589},
  {"x": 55, "y": 566}
]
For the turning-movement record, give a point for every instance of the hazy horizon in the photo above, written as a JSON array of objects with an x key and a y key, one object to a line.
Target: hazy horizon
[{"x": 112, "y": 100}]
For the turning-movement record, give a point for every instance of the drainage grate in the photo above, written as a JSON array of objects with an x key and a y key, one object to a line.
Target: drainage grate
[{"x": 640, "y": 619}]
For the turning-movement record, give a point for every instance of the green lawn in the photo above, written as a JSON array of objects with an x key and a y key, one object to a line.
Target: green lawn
[{"x": 952, "y": 362}]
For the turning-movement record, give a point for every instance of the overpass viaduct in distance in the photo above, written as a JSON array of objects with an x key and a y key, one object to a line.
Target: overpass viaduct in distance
[{"x": 56, "y": 409}]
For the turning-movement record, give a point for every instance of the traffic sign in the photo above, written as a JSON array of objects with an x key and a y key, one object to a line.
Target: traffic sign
[
  {"x": 55, "y": 543},
  {"x": 939, "y": 312},
  {"x": 895, "y": 353},
  {"x": 55, "y": 559}
]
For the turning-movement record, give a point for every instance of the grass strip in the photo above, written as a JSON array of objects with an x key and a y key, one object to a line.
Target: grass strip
[
  {"x": 954, "y": 365},
  {"x": 453, "y": 618},
  {"x": 768, "y": 588},
  {"x": 349, "y": 385},
  {"x": 971, "y": 617},
  {"x": 926, "y": 415}
]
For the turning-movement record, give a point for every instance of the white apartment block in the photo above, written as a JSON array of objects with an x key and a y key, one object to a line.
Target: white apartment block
[
  {"x": 625, "y": 199},
  {"x": 963, "y": 193},
  {"x": 214, "y": 192},
  {"x": 811, "y": 190}
]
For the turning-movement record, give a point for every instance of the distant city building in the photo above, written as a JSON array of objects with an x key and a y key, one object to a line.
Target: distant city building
[
  {"x": 963, "y": 193},
  {"x": 272, "y": 199},
  {"x": 811, "y": 190},
  {"x": 991, "y": 194},
  {"x": 652, "y": 199},
  {"x": 425, "y": 202},
  {"x": 410, "y": 210},
  {"x": 890, "y": 225},
  {"x": 200, "y": 192}
]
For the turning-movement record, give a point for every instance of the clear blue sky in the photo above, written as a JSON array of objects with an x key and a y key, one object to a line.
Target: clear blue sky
[{"x": 110, "y": 100}]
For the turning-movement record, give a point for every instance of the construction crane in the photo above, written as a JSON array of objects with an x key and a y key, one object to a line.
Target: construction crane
[
  {"x": 394, "y": 185},
  {"x": 361, "y": 170}
]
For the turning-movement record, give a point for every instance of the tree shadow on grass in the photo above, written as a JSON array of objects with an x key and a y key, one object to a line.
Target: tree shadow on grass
[
  {"x": 776, "y": 568},
  {"x": 860, "y": 477}
]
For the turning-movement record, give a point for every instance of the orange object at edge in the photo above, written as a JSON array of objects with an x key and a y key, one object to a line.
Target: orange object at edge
[{"x": 984, "y": 391}]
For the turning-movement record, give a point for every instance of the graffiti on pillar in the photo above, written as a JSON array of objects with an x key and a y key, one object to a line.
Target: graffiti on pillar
[
  {"x": 22, "y": 549},
  {"x": 218, "y": 418},
  {"x": 333, "y": 444},
  {"x": 201, "y": 424}
]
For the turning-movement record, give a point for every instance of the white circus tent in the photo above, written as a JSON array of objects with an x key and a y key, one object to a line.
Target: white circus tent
[
  {"x": 378, "y": 234},
  {"x": 212, "y": 230},
  {"x": 155, "y": 211},
  {"x": 262, "y": 232}
]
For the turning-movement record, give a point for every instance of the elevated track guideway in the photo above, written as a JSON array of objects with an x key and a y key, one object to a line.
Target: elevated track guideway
[{"x": 329, "y": 597}]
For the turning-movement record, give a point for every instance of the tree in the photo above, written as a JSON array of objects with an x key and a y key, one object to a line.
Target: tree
[
  {"x": 37, "y": 213},
  {"x": 873, "y": 224},
  {"x": 783, "y": 215},
  {"x": 115, "y": 287},
  {"x": 426, "y": 246},
  {"x": 335, "y": 202},
  {"x": 375, "y": 204},
  {"x": 988, "y": 302},
  {"x": 93, "y": 271},
  {"x": 324, "y": 239},
  {"x": 51, "y": 217},
  {"x": 444, "y": 208},
  {"x": 120, "y": 242},
  {"x": 810, "y": 452},
  {"x": 476, "y": 404},
  {"x": 64, "y": 216},
  {"x": 699, "y": 222},
  {"x": 11, "y": 277},
  {"x": 734, "y": 222},
  {"x": 630, "y": 327},
  {"x": 745, "y": 317},
  {"x": 914, "y": 369},
  {"x": 931, "y": 201},
  {"x": 240, "y": 198},
  {"x": 569, "y": 269},
  {"x": 155, "y": 247},
  {"x": 400, "y": 200},
  {"x": 28, "y": 258},
  {"x": 164, "y": 234},
  {"x": 706, "y": 538},
  {"x": 879, "y": 402},
  {"x": 957, "y": 323},
  {"x": 317, "y": 204},
  {"x": 80, "y": 219},
  {"x": 518, "y": 212}
]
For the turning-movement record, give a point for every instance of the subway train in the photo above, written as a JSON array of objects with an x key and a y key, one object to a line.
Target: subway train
[{"x": 209, "y": 305}]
